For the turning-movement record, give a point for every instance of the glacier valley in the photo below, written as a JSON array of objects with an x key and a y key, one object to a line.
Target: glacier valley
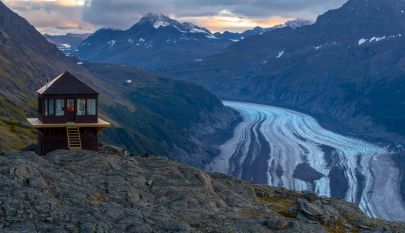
[{"x": 289, "y": 149}]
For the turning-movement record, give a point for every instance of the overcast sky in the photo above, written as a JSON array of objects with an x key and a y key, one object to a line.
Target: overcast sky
[{"x": 61, "y": 16}]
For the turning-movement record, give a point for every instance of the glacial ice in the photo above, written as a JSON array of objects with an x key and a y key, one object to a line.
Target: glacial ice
[{"x": 296, "y": 138}]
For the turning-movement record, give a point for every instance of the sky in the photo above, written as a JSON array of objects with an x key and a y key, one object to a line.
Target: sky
[{"x": 79, "y": 16}]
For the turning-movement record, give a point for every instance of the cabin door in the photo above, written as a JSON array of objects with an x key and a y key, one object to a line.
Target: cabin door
[{"x": 70, "y": 110}]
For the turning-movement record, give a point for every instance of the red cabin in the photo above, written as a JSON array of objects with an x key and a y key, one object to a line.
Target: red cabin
[{"x": 67, "y": 115}]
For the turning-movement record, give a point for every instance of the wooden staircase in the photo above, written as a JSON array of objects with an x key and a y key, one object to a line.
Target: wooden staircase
[{"x": 73, "y": 137}]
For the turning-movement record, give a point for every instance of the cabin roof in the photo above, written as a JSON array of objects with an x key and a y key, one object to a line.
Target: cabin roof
[{"x": 66, "y": 84}]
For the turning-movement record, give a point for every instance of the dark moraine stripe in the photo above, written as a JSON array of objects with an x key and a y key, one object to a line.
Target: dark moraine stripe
[
  {"x": 338, "y": 182},
  {"x": 234, "y": 168},
  {"x": 306, "y": 173},
  {"x": 399, "y": 159},
  {"x": 254, "y": 167},
  {"x": 260, "y": 164},
  {"x": 361, "y": 183}
]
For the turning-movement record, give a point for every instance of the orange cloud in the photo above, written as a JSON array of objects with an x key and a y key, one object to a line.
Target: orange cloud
[
  {"x": 52, "y": 16},
  {"x": 226, "y": 20},
  {"x": 65, "y": 3}
]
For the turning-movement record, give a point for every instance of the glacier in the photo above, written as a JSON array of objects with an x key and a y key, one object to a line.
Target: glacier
[{"x": 289, "y": 149}]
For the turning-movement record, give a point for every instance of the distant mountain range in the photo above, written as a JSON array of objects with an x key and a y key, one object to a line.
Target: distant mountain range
[
  {"x": 158, "y": 41},
  {"x": 67, "y": 43},
  {"x": 153, "y": 42},
  {"x": 236, "y": 37},
  {"x": 68, "y": 40},
  {"x": 348, "y": 66},
  {"x": 150, "y": 113}
]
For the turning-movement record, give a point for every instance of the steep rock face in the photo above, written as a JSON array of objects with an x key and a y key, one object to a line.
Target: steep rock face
[
  {"x": 113, "y": 191},
  {"x": 348, "y": 66}
]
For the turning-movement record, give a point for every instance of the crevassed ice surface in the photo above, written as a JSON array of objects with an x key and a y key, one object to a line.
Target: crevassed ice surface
[{"x": 285, "y": 148}]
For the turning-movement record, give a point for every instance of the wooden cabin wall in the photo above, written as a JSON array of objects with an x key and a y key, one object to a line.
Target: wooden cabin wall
[
  {"x": 50, "y": 139},
  {"x": 89, "y": 138}
]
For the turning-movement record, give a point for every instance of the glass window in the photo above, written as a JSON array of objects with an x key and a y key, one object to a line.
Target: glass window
[
  {"x": 60, "y": 107},
  {"x": 46, "y": 107},
  {"x": 91, "y": 107},
  {"x": 51, "y": 109},
  {"x": 70, "y": 105},
  {"x": 81, "y": 107}
]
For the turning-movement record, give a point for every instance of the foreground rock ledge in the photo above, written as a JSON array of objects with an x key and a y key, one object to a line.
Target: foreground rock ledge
[{"x": 109, "y": 192}]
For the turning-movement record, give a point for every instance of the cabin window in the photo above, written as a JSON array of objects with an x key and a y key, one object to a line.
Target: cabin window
[
  {"x": 51, "y": 109},
  {"x": 81, "y": 107},
  {"x": 70, "y": 105},
  {"x": 60, "y": 107},
  {"x": 91, "y": 107},
  {"x": 46, "y": 107}
]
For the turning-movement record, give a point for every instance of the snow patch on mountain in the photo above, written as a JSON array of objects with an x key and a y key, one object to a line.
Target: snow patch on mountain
[
  {"x": 378, "y": 38},
  {"x": 111, "y": 43},
  {"x": 197, "y": 30},
  {"x": 210, "y": 36},
  {"x": 160, "y": 24},
  {"x": 362, "y": 41}
]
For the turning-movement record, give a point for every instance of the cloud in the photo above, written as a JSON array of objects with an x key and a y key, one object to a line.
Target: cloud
[
  {"x": 52, "y": 16},
  {"x": 124, "y": 13},
  {"x": 217, "y": 15}
]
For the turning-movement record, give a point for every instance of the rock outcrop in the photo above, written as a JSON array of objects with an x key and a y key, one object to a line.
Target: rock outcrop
[{"x": 114, "y": 191}]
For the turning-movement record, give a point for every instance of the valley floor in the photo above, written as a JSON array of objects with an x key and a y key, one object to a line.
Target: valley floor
[{"x": 285, "y": 148}]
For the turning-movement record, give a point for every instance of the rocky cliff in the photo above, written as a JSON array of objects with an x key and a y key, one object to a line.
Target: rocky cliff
[{"x": 113, "y": 191}]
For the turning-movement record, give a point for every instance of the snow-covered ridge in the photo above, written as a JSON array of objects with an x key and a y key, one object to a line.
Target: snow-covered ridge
[
  {"x": 296, "y": 23},
  {"x": 159, "y": 21}
]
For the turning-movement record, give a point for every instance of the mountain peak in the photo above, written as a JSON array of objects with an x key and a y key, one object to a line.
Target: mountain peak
[
  {"x": 152, "y": 17},
  {"x": 161, "y": 21},
  {"x": 366, "y": 17},
  {"x": 296, "y": 23},
  {"x": 157, "y": 20}
]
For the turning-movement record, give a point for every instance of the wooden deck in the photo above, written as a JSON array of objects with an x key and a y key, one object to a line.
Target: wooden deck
[{"x": 37, "y": 124}]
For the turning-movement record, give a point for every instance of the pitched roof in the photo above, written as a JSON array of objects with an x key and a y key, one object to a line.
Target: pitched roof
[{"x": 66, "y": 84}]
